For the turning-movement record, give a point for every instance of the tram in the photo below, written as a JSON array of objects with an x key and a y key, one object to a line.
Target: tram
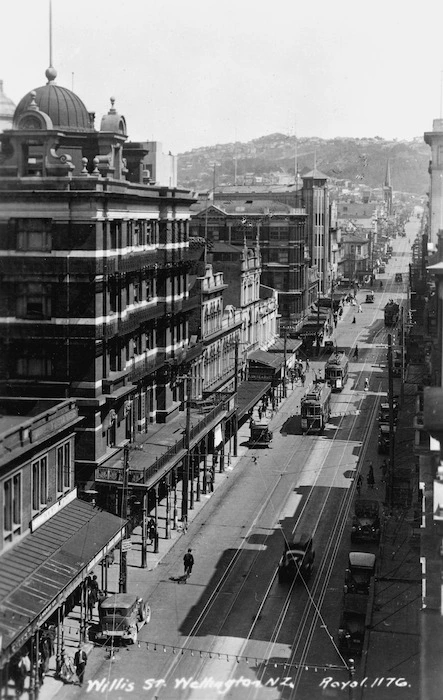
[
  {"x": 315, "y": 408},
  {"x": 336, "y": 371}
]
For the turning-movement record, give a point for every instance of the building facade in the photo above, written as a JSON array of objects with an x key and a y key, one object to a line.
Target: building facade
[
  {"x": 434, "y": 139},
  {"x": 94, "y": 282}
]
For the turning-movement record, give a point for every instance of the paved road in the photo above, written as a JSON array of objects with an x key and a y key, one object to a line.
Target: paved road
[{"x": 233, "y": 630}]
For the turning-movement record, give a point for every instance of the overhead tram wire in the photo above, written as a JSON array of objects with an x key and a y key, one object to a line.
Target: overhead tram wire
[{"x": 234, "y": 558}]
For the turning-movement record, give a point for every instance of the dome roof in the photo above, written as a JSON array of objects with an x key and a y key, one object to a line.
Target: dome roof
[{"x": 64, "y": 108}]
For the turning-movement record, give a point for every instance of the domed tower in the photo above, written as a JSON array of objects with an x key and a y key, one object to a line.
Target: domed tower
[
  {"x": 7, "y": 108},
  {"x": 50, "y": 134}
]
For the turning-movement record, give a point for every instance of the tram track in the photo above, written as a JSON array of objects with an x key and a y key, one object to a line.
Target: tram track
[{"x": 323, "y": 573}]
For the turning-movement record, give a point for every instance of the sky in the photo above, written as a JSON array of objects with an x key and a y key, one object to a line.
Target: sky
[{"x": 200, "y": 72}]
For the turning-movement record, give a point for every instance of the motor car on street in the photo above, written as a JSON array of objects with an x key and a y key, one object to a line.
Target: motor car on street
[
  {"x": 361, "y": 569},
  {"x": 366, "y": 521},
  {"x": 351, "y": 633},
  {"x": 121, "y": 616},
  {"x": 297, "y": 558}
]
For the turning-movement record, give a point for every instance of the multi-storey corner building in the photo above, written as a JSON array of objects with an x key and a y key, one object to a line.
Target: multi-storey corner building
[
  {"x": 280, "y": 231},
  {"x": 93, "y": 289},
  {"x": 316, "y": 202},
  {"x": 434, "y": 139},
  {"x": 50, "y": 540}
]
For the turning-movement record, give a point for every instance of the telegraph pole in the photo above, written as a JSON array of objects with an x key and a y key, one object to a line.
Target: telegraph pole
[
  {"x": 390, "y": 494},
  {"x": 402, "y": 350},
  {"x": 235, "y": 391},
  {"x": 285, "y": 343},
  {"x": 187, "y": 441},
  {"x": 123, "y": 572}
]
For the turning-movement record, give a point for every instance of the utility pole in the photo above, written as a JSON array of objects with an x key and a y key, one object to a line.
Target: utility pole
[
  {"x": 390, "y": 494},
  {"x": 123, "y": 572},
  {"x": 144, "y": 562},
  {"x": 285, "y": 344},
  {"x": 187, "y": 456},
  {"x": 318, "y": 318},
  {"x": 235, "y": 391},
  {"x": 402, "y": 350}
]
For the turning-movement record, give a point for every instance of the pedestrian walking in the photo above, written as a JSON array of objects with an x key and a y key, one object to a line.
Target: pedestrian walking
[
  {"x": 303, "y": 378},
  {"x": 260, "y": 412},
  {"x": 307, "y": 364},
  {"x": 366, "y": 384},
  {"x": 80, "y": 661},
  {"x": 188, "y": 562},
  {"x": 19, "y": 673},
  {"x": 93, "y": 590},
  {"x": 151, "y": 529},
  {"x": 384, "y": 469},
  {"x": 359, "y": 483},
  {"x": 353, "y": 320},
  {"x": 370, "y": 479},
  {"x": 356, "y": 352},
  {"x": 360, "y": 310}
]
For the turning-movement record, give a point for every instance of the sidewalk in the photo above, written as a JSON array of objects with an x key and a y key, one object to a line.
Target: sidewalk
[{"x": 138, "y": 578}]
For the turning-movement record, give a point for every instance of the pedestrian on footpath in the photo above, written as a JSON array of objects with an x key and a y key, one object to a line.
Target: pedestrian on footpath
[
  {"x": 356, "y": 352},
  {"x": 303, "y": 378},
  {"x": 370, "y": 479},
  {"x": 188, "y": 562},
  {"x": 307, "y": 364},
  {"x": 353, "y": 320},
  {"x": 80, "y": 661},
  {"x": 359, "y": 483}
]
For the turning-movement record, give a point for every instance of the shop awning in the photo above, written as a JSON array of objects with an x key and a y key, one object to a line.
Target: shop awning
[
  {"x": 41, "y": 571},
  {"x": 248, "y": 394},
  {"x": 262, "y": 357},
  {"x": 292, "y": 345}
]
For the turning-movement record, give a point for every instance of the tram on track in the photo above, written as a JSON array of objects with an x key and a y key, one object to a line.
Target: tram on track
[
  {"x": 315, "y": 408},
  {"x": 336, "y": 371}
]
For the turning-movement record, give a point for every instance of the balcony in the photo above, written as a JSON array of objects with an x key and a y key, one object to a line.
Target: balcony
[{"x": 150, "y": 464}]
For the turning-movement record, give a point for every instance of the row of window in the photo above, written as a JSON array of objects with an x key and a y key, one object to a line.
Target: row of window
[{"x": 40, "y": 482}]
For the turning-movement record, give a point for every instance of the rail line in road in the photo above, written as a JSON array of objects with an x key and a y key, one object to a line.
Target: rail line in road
[
  {"x": 305, "y": 632},
  {"x": 218, "y": 593}
]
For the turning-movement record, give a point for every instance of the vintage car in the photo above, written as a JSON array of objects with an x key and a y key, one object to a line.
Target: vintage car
[
  {"x": 260, "y": 435},
  {"x": 382, "y": 269},
  {"x": 384, "y": 438},
  {"x": 121, "y": 616},
  {"x": 383, "y": 415},
  {"x": 366, "y": 521},
  {"x": 351, "y": 633},
  {"x": 370, "y": 296},
  {"x": 398, "y": 277},
  {"x": 297, "y": 558},
  {"x": 361, "y": 569}
]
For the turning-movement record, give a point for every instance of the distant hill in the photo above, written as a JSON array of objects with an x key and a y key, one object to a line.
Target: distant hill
[{"x": 270, "y": 159}]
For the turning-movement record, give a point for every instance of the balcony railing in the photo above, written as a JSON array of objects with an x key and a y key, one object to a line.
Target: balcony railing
[{"x": 143, "y": 476}]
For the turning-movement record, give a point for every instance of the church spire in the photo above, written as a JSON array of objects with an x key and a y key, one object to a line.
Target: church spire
[{"x": 388, "y": 174}]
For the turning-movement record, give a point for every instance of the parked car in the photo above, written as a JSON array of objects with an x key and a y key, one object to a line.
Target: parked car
[
  {"x": 366, "y": 521},
  {"x": 384, "y": 438},
  {"x": 351, "y": 633},
  {"x": 361, "y": 569},
  {"x": 383, "y": 415},
  {"x": 260, "y": 436},
  {"x": 297, "y": 558},
  {"x": 121, "y": 616}
]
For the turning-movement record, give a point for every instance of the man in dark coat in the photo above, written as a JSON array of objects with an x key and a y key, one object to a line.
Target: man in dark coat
[{"x": 188, "y": 562}]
